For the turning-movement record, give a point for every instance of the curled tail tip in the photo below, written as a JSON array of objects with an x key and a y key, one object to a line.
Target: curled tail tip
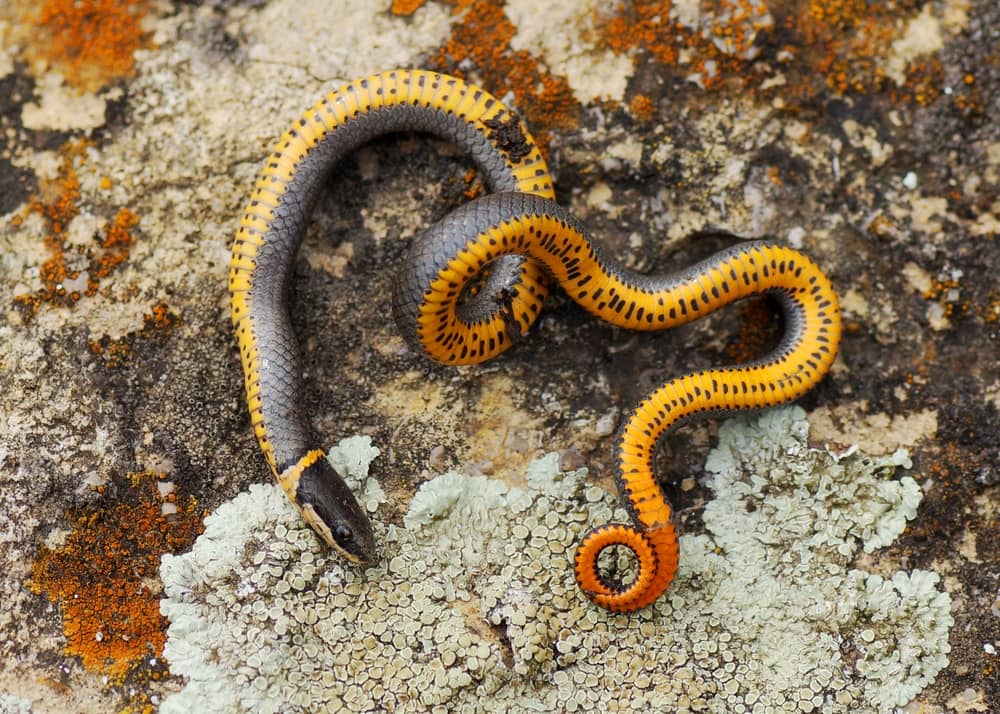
[{"x": 655, "y": 552}]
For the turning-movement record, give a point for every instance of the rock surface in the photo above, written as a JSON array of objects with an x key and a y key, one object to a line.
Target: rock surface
[{"x": 862, "y": 133}]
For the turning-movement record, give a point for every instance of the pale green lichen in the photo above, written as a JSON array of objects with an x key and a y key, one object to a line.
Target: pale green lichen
[
  {"x": 798, "y": 514},
  {"x": 351, "y": 459},
  {"x": 473, "y": 606},
  {"x": 10, "y": 704}
]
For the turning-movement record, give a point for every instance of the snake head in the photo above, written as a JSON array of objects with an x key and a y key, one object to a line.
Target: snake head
[{"x": 328, "y": 505}]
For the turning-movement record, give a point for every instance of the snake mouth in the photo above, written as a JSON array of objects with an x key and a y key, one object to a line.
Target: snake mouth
[{"x": 358, "y": 555}]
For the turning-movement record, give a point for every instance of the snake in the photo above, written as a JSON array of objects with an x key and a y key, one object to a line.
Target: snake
[{"x": 473, "y": 284}]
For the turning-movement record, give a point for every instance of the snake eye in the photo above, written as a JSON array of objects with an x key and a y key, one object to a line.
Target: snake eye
[{"x": 343, "y": 533}]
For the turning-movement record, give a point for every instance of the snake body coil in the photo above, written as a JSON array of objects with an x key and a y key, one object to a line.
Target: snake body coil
[
  {"x": 461, "y": 245},
  {"x": 517, "y": 238}
]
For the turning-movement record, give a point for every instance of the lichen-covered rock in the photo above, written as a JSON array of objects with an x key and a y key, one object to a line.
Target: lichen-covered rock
[
  {"x": 473, "y": 606},
  {"x": 862, "y": 133}
]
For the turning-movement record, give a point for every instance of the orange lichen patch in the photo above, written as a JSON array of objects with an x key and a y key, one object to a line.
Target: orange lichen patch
[
  {"x": 57, "y": 213},
  {"x": 990, "y": 312},
  {"x": 115, "y": 247},
  {"x": 950, "y": 470},
  {"x": 474, "y": 187},
  {"x": 406, "y": 7},
  {"x": 858, "y": 69},
  {"x": 105, "y": 577},
  {"x": 733, "y": 27},
  {"x": 112, "y": 243},
  {"x": 882, "y": 226},
  {"x": 969, "y": 99},
  {"x": 483, "y": 37},
  {"x": 848, "y": 42},
  {"x": 924, "y": 80},
  {"x": 158, "y": 323},
  {"x": 947, "y": 294},
  {"x": 719, "y": 49},
  {"x": 845, "y": 42},
  {"x": 642, "y": 107},
  {"x": 116, "y": 353},
  {"x": 837, "y": 13},
  {"x": 160, "y": 319},
  {"x": 842, "y": 45},
  {"x": 643, "y": 24},
  {"x": 90, "y": 42}
]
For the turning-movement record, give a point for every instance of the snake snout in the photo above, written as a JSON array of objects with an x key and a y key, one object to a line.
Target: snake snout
[{"x": 335, "y": 514}]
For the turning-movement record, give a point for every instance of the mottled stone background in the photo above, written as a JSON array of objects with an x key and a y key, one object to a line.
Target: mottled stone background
[{"x": 863, "y": 133}]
